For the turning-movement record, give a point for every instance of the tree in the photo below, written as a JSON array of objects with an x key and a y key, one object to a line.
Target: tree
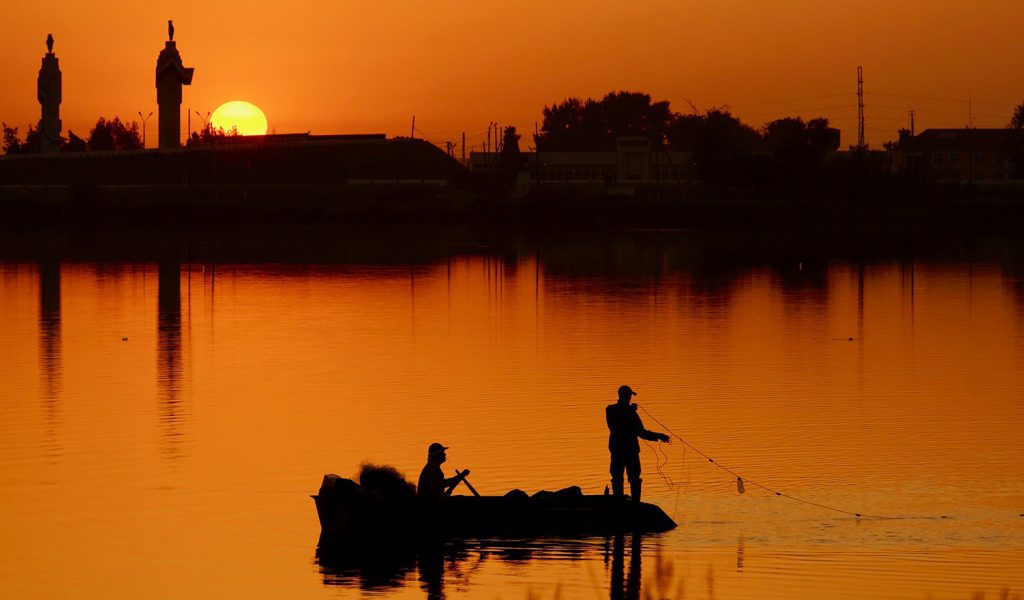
[
  {"x": 792, "y": 140},
  {"x": 720, "y": 144},
  {"x": 822, "y": 138},
  {"x": 902, "y": 143},
  {"x": 1017, "y": 120},
  {"x": 11, "y": 142},
  {"x": 114, "y": 135},
  {"x": 511, "y": 158},
  {"x": 715, "y": 133},
  {"x": 33, "y": 141},
  {"x": 1017, "y": 144},
  {"x": 210, "y": 134},
  {"x": 787, "y": 137},
  {"x": 73, "y": 143},
  {"x": 633, "y": 114},
  {"x": 562, "y": 125},
  {"x": 576, "y": 125}
]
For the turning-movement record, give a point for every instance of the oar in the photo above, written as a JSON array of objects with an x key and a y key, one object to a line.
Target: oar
[{"x": 468, "y": 484}]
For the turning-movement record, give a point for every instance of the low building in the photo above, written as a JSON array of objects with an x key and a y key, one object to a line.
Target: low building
[
  {"x": 633, "y": 162},
  {"x": 962, "y": 155}
]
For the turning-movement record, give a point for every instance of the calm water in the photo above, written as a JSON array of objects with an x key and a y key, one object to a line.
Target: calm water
[{"x": 168, "y": 402}]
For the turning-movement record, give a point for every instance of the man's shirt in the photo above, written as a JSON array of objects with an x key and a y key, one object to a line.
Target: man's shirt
[
  {"x": 624, "y": 427},
  {"x": 431, "y": 484}
]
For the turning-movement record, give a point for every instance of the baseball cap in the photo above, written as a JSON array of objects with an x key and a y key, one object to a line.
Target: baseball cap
[
  {"x": 435, "y": 448},
  {"x": 625, "y": 391}
]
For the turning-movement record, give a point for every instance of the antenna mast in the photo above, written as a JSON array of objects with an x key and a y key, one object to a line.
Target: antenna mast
[
  {"x": 861, "y": 143},
  {"x": 970, "y": 110}
]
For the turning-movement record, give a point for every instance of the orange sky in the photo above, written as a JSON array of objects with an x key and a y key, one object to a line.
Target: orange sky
[{"x": 337, "y": 66}]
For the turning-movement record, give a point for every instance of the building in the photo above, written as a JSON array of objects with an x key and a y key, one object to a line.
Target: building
[
  {"x": 959, "y": 155},
  {"x": 632, "y": 163}
]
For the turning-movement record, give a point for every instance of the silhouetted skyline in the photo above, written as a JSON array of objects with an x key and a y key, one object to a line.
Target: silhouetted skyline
[{"x": 323, "y": 69}]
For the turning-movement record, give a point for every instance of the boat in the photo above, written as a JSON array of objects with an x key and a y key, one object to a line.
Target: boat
[{"x": 346, "y": 510}]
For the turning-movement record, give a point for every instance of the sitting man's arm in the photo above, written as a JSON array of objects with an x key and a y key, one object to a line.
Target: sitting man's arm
[{"x": 452, "y": 482}]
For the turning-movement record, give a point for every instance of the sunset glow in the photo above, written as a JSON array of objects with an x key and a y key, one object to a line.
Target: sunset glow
[
  {"x": 240, "y": 115},
  {"x": 321, "y": 68},
  {"x": 418, "y": 300}
]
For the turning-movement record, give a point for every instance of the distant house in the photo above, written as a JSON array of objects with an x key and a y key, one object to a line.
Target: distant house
[
  {"x": 958, "y": 154},
  {"x": 633, "y": 162}
]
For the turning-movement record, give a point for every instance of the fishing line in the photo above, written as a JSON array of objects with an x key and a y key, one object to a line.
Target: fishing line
[
  {"x": 664, "y": 467},
  {"x": 741, "y": 480},
  {"x": 658, "y": 464}
]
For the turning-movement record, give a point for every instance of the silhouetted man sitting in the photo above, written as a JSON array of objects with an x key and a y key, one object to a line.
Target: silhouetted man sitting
[
  {"x": 624, "y": 427},
  {"x": 432, "y": 485}
]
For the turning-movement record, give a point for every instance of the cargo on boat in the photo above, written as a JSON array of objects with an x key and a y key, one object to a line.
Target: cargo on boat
[{"x": 346, "y": 509}]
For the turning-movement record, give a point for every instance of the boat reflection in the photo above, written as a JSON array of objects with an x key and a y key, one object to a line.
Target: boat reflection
[
  {"x": 437, "y": 565},
  {"x": 376, "y": 565}
]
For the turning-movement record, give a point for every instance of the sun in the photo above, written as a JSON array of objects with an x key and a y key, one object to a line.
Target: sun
[{"x": 246, "y": 117}]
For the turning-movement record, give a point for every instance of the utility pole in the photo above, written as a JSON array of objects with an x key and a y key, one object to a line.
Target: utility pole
[
  {"x": 912, "y": 123},
  {"x": 144, "y": 119},
  {"x": 412, "y": 130},
  {"x": 463, "y": 147},
  {"x": 861, "y": 143}
]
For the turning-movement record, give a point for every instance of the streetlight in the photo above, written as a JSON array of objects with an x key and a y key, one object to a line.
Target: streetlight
[
  {"x": 205, "y": 119},
  {"x": 144, "y": 119}
]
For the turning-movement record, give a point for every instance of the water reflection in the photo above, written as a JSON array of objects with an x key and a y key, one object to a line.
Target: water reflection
[
  {"x": 377, "y": 565},
  {"x": 168, "y": 354},
  {"x": 50, "y": 358},
  {"x": 437, "y": 565},
  {"x": 918, "y": 420},
  {"x": 625, "y": 583}
]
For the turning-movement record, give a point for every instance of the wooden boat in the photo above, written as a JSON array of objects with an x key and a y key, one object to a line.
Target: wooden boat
[{"x": 357, "y": 514}]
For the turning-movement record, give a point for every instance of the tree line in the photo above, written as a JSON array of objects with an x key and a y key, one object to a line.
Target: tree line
[
  {"x": 575, "y": 124},
  {"x": 721, "y": 145},
  {"x": 112, "y": 134}
]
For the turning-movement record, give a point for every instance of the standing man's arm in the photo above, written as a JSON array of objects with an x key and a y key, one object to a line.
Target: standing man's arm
[{"x": 652, "y": 436}]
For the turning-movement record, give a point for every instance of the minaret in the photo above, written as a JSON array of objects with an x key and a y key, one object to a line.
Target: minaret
[
  {"x": 48, "y": 91},
  {"x": 170, "y": 76}
]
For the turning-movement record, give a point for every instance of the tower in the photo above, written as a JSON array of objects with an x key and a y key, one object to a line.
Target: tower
[
  {"x": 171, "y": 74},
  {"x": 861, "y": 142},
  {"x": 48, "y": 91}
]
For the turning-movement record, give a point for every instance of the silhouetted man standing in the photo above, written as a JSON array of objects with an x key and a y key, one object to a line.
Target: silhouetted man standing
[
  {"x": 624, "y": 427},
  {"x": 432, "y": 485}
]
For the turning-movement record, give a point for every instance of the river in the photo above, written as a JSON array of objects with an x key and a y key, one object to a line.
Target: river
[{"x": 168, "y": 401}]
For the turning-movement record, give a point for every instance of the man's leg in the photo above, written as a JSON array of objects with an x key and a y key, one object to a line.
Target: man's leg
[
  {"x": 633, "y": 471},
  {"x": 617, "y": 466}
]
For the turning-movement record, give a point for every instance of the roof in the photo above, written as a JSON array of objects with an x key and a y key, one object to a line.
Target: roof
[{"x": 976, "y": 138}]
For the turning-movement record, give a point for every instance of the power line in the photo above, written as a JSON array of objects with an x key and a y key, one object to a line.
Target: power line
[
  {"x": 936, "y": 99},
  {"x": 804, "y": 110},
  {"x": 789, "y": 101}
]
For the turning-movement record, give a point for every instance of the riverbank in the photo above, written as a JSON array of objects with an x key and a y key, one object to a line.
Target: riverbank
[{"x": 423, "y": 201}]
